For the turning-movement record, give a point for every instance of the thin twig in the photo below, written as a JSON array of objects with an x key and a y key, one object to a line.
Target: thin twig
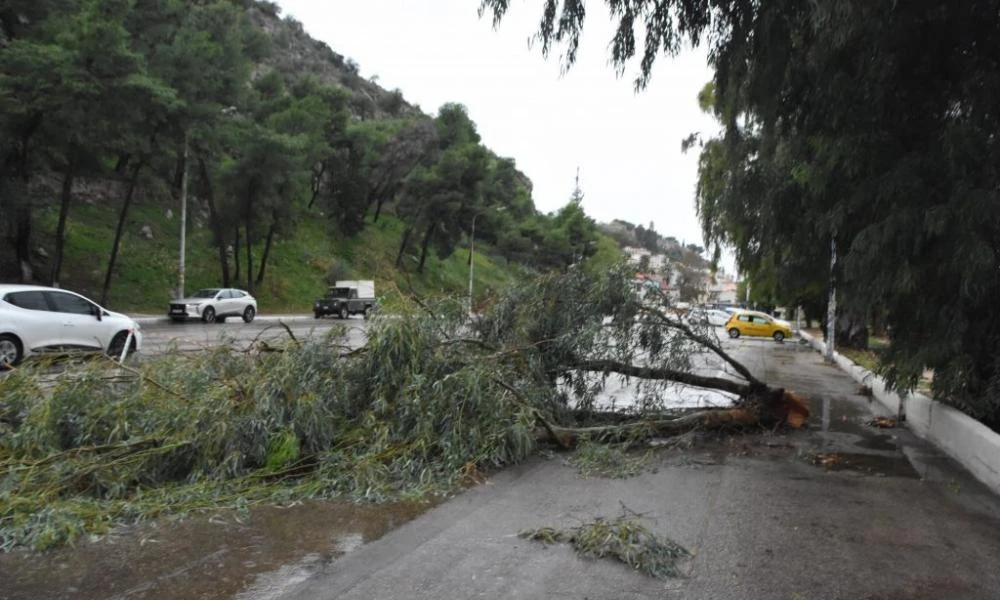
[
  {"x": 289, "y": 330},
  {"x": 148, "y": 379}
]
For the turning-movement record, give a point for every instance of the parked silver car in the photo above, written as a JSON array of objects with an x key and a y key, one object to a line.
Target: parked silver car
[{"x": 214, "y": 305}]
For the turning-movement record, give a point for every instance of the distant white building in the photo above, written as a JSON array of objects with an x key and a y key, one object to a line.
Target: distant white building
[
  {"x": 635, "y": 254},
  {"x": 658, "y": 263},
  {"x": 722, "y": 290}
]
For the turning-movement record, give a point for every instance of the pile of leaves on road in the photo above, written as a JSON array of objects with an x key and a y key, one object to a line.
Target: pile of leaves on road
[
  {"x": 604, "y": 460},
  {"x": 429, "y": 404},
  {"x": 625, "y": 539}
]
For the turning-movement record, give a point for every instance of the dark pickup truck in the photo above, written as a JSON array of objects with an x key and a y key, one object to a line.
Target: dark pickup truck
[{"x": 346, "y": 298}]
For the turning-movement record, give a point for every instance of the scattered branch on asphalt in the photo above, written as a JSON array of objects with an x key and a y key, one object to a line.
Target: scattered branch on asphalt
[
  {"x": 604, "y": 460},
  {"x": 624, "y": 539}
]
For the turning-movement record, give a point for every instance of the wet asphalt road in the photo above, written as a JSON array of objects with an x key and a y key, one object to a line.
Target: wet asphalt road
[{"x": 193, "y": 336}]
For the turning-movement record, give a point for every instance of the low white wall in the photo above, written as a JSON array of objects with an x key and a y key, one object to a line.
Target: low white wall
[{"x": 968, "y": 441}]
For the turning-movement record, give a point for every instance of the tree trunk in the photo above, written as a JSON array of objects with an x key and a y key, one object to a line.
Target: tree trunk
[
  {"x": 852, "y": 330},
  {"x": 236, "y": 254},
  {"x": 317, "y": 182},
  {"x": 122, "y": 163},
  {"x": 249, "y": 261},
  {"x": 424, "y": 245},
  {"x": 267, "y": 252},
  {"x": 64, "y": 200},
  {"x": 777, "y": 408},
  {"x": 23, "y": 213},
  {"x": 249, "y": 242},
  {"x": 179, "y": 168},
  {"x": 213, "y": 216},
  {"x": 402, "y": 247},
  {"x": 380, "y": 192},
  {"x": 22, "y": 238},
  {"x": 379, "y": 200},
  {"x": 122, "y": 216}
]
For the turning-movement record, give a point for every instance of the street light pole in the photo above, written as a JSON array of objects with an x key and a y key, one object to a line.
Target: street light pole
[
  {"x": 472, "y": 258},
  {"x": 472, "y": 251}
]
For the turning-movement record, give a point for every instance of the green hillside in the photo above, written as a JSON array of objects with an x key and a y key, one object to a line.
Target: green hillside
[
  {"x": 272, "y": 137},
  {"x": 297, "y": 271}
]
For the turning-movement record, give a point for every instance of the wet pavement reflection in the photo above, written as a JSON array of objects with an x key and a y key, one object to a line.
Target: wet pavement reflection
[{"x": 203, "y": 557}]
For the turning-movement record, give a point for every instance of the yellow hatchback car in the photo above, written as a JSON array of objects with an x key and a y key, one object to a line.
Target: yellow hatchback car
[{"x": 757, "y": 324}]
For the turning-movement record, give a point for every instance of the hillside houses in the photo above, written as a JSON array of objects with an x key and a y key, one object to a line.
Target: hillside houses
[{"x": 681, "y": 280}]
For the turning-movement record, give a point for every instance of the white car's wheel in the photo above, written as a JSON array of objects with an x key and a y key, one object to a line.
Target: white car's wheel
[
  {"x": 10, "y": 351},
  {"x": 117, "y": 345},
  {"x": 248, "y": 314}
]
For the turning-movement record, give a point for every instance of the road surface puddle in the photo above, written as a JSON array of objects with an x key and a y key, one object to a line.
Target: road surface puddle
[
  {"x": 865, "y": 464},
  {"x": 205, "y": 558}
]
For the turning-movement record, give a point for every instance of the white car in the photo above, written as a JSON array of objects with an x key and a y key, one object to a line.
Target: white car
[
  {"x": 35, "y": 320},
  {"x": 711, "y": 316},
  {"x": 213, "y": 305},
  {"x": 716, "y": 317}
]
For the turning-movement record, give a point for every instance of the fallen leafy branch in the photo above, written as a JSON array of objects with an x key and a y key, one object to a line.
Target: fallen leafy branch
[
  {"x": 623, "y": 539},
  {"x": 602, "y": 460}
]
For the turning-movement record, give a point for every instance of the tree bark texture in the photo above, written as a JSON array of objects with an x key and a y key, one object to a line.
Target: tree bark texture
[
  {"x": 402, "y": 246},
  {"x": 236, "y": 254},
  {"x": 428, "y": 236},
  {"x": 64, "y": 200},
  {"x": 122, "y": 216},
  {"x": 770, "y": 408},
  {"x": 267, "y": 251},
  {"x": 213, "y": 216}
]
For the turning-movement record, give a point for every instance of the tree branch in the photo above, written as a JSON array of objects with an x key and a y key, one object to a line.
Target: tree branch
[
  {"x": 704, "y": 341},
  {"x": 711, "y": 419},
  {"x": 702, "y": 381}
]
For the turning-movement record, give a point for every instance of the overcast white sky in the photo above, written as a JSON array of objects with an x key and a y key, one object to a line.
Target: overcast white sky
[{"x": 627, "y": 145}]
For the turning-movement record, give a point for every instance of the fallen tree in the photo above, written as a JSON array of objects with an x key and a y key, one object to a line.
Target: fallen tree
[
  {"x": 582, "y": 328},
  {"x": 432, "y": 401}
]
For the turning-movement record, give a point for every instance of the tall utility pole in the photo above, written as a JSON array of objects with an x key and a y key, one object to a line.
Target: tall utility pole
[
  {"x": 472, "y": 251},
  {"x": 184, "y": 205},
  {"x": 831, "y": 307},
  {"x": 472, "y": 259}
]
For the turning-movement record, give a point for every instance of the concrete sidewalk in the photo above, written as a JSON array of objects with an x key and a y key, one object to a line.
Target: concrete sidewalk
[{"x": 840, "y": 510}]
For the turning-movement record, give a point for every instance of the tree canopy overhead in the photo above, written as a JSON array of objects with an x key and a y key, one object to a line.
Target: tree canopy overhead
[{"x": 869, "y": 124}]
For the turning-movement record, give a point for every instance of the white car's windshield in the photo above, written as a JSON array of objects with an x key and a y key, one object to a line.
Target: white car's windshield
[{"x": 207, "y": 293}]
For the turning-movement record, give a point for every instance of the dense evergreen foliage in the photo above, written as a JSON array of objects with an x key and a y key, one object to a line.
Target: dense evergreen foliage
[
  {"x": 871, "y": 125},
  {"x": 261, "y": 127}
]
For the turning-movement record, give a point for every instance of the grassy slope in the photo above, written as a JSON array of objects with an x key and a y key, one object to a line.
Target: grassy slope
[{"x": 296, "y": 273}]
